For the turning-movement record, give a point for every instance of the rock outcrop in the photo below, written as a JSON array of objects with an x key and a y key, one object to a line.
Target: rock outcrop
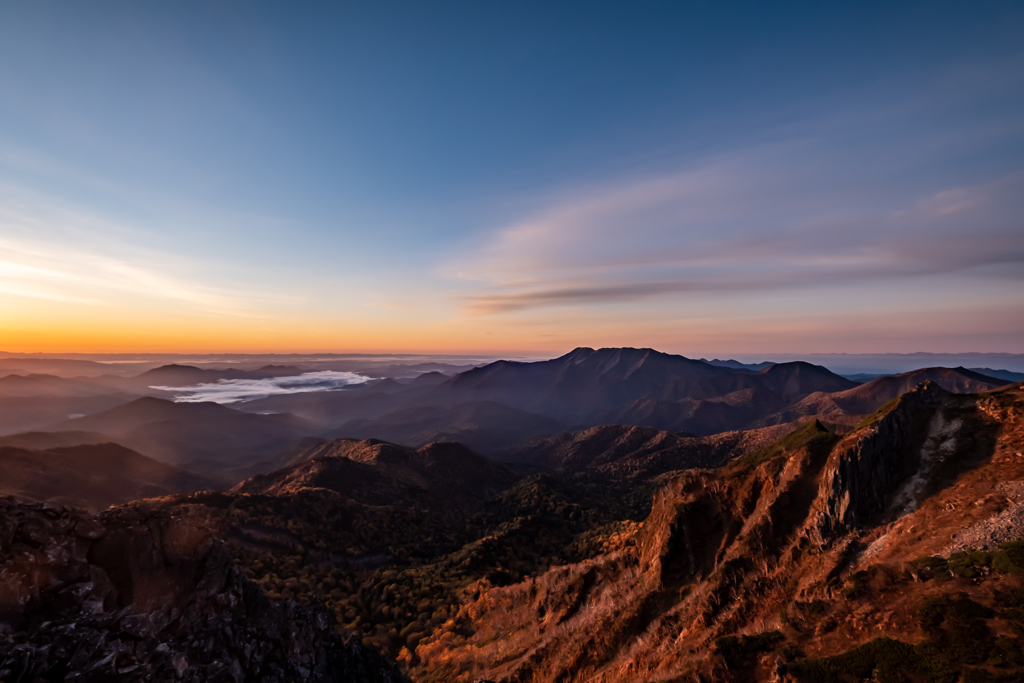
[{"x": 135, "y": 594}]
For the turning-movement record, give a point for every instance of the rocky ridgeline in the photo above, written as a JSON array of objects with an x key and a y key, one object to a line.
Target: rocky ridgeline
[
  {"x": 138, "y": 595},
  {"x": 758, "y": 570}
]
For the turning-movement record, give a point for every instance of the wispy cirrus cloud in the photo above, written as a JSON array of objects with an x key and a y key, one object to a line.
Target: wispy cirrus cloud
[
  {"x": 879, "y": 184},
  {"x": 755, "y": 221},
  {"x": 57, "y": 253}
]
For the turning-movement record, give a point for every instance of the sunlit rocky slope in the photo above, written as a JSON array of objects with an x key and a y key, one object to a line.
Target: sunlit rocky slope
[{"x": 878, "y": 554}]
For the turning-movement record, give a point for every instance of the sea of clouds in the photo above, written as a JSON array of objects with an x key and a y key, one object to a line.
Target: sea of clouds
[{"x": 238, "y": 390}]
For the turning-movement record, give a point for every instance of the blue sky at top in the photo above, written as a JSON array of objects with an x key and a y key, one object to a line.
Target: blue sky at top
[{"x": 546, "y": 173}]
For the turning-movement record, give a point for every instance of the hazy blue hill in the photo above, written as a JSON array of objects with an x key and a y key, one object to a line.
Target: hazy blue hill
[
  {"x": 25, "y": 413},
  {"x": 736, "y": 365},
  {"x": 1000, "y": 374},
  {"x": 206, "y": 437},
  {"x": 186, "y": 375},
  {"x": 794, "y": 380},
  {"x": 51, "y": 385},
  {"x": 93, "y": 476},
  {"x": 52, "y": 366},
  {"x": 47, "y": 440},
  {"x": 330, "y": 409}
]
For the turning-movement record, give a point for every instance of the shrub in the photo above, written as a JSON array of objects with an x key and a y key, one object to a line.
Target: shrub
[
  {"x": 812, "y": 434},
  {"x": 926, "y": 568},
  {"x": 960, "y": 564}
]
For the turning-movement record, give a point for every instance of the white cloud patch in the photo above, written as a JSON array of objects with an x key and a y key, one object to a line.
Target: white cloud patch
[{"x": 239, "y": 390}]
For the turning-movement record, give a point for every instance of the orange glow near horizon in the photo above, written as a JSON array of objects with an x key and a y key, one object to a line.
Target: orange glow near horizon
[
  {"x": 429, "y": 322},
  {"x": 109, "y": 330}
]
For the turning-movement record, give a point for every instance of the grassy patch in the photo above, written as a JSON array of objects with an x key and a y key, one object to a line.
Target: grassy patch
[
  {"x": 928, "y": 568},
  {"x": 812, "y": 434},
  {"x": 1008, "y": 559},
  {"x": 877, "y": 415}
]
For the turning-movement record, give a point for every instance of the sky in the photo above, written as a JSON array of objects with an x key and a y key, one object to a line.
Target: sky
[{"x": 705, "y": 178}]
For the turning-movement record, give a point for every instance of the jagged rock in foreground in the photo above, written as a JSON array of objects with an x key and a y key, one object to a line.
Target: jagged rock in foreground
[
  {"x": 138, "y": 595},
  {"x": 822, "y": 558}
]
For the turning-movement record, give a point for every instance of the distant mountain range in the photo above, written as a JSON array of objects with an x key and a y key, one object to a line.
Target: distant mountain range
[
  {"x": 587, "y": 388},
  {"x": 494, "y": 408}
]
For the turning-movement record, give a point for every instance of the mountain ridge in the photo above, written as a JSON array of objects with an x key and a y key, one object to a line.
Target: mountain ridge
[{"x": 784, "y": 565}]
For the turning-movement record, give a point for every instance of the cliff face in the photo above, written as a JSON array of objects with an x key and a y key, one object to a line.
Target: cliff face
[
  {"x": 758, "y": 569},
  {"x": 866, "y": 469},
  {"x": 139, "y": 595}
]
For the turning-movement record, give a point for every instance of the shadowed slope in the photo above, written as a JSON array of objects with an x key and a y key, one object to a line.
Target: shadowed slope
[
  {"x": 587, "y": 388},
  {"x": 622, "y": 450},
  {"x": 583, "y": 380}
]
